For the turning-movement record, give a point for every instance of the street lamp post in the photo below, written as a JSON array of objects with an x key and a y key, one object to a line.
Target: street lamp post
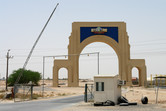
[
  {"x": 98, "y": 62},
  {"x": 43, "y": 76},
  {"x": 65, "y": 57}
]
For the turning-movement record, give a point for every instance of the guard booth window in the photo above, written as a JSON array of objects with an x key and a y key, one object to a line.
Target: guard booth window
[{"x": 99, "y": 86}]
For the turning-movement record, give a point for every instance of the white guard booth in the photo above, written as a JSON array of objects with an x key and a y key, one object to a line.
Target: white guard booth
[{"x": 106, "y": 88}]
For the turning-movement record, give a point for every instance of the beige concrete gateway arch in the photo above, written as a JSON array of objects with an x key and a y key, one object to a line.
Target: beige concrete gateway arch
[{"x": 112, "y": 33}]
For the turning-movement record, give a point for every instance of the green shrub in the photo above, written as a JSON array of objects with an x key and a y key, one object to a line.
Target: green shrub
[{"x": 26, "y": 77}]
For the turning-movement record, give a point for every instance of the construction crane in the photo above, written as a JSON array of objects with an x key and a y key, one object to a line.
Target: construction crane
[{"x": 30, "y": 53}]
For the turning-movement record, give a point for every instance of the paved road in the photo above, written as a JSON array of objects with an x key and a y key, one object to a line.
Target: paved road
[{"x": 45, "y": 105}]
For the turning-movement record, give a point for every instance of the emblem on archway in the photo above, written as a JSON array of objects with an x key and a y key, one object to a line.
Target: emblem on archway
[
  {"x": 112, "y": 33},
  {"x": 98, "y": 30}
]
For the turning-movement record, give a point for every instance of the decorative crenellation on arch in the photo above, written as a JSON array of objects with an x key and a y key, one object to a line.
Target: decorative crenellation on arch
[{"x": 112, "y": 33}]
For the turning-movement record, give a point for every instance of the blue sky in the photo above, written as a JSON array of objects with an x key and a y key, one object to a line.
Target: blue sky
[{"x": 22, "y": 20}]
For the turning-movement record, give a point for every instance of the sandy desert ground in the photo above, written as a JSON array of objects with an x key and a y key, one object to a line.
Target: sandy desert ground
[
  {"x": 133, "y": 94},
  {"x": 49, "y": 91}
]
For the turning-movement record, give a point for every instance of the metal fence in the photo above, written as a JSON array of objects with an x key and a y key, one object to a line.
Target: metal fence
[
  {"x": 23, "y": 92},
  {"x": 89, "y": 96}
]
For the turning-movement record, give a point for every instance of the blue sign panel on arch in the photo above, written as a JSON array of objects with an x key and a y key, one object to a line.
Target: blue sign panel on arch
[{"x": 86, "y": 32}]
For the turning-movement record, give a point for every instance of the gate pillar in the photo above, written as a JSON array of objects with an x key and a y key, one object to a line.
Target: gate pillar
[{"x": 55, "y": 76}]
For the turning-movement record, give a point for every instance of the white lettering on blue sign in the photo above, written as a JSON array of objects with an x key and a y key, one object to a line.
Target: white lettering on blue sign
[{"x": 99, "y": 30}]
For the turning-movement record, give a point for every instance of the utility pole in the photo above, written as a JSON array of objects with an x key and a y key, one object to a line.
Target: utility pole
[{"x": 7, "y": 67}]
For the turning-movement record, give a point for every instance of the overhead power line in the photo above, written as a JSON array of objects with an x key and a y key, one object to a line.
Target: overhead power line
[
  {"x": 139, "y": 43},
  {"x": 157, "y": 51},
  {"x": 147, "y": 41}
]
